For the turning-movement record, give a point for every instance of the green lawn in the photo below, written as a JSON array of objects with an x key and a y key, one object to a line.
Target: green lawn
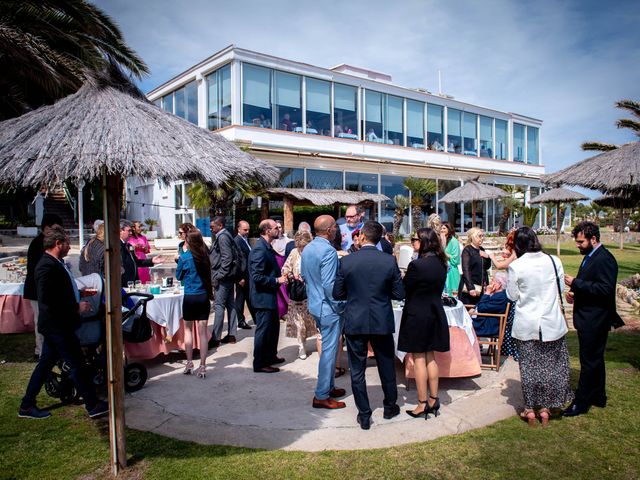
[{"x": 602, "y": 444}]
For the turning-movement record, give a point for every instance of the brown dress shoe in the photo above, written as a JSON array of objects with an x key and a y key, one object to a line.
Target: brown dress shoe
[
  {"x": 329, "y": 403},
  {"x": 337, "y": 392}
]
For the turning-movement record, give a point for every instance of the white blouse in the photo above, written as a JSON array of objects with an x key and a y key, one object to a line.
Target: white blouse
[{"x": 532, "y": 285}]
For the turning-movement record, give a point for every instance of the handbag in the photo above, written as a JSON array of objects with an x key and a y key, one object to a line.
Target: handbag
[
  {"x": 476, "y": 287},
  {"x": 449, "y": 301},
  {"x": 296, "y": 290},
  {"x": 555, "y": 269}
]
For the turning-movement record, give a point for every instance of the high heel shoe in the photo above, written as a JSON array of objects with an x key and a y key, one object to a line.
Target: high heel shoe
[
  {"x": 202, "y": 371},
  {"x": 188, "y": 368},
  {"x": 411, "y": 413},
  {"x": 435, "y": 408},
  {"x": 544, "y": 415}
]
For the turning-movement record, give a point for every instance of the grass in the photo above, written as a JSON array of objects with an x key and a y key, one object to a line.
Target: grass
[{"x": 602, "y": 444}]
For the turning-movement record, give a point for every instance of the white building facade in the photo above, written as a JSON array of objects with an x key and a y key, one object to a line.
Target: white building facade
[{"x": 345, "y": 128}]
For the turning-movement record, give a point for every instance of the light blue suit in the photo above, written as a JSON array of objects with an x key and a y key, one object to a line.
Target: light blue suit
[{"x": 318, "y": 267}]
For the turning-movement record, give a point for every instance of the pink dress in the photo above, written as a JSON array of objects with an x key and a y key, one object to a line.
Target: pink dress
[{"x": 141, "y": 247}]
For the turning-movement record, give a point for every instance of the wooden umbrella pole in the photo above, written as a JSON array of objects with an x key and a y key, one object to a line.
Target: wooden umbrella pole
[
  {"x": 558, "y": 228},
  {"x": 622, "y": 227},
  {"x": 288, "y": 215},
  {"x": 113, "y": 299}
]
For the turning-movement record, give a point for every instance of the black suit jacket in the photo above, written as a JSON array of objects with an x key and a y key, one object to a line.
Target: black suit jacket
[
  {"x": 594, "y": 288},
  {"x": 243, "y": 248},
  {"x": 58, "y": 308},
  {"x": 368, "y": 280},
  {"x": 130, "y": 263},
  {"x": 34, "y": 254},
  {"x": 263, "y": 272}
]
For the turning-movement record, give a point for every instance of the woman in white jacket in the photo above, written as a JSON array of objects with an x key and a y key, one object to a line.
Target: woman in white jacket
[{"x": 535, "y": 282}]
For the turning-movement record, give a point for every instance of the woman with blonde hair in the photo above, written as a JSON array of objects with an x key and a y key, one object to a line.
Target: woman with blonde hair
[
  {"x": 475, "y": 265},
  {"x": 300, "y": 323},
  {"x": 92, "y": 255}
]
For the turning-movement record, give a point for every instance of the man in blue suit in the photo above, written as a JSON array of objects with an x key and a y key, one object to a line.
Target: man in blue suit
[
  {"x": 318, "y": 267},
  {"x": 265, "y": 279},
  {"x": 368, "y": 280}
]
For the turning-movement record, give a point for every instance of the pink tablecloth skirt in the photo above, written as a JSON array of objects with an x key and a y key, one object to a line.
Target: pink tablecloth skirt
[
  {"x": 157, "y": 344},
  {"x": 462, "y": 360},
  {"x": 16, "y": 315}
]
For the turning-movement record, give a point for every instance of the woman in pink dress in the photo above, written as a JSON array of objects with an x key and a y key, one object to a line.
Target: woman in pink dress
[{"x": 141, "y": 246}]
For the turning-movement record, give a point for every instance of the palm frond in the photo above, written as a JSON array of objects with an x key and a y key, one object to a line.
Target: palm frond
[
  {"x": 598, "y": 146},
  {"x": 630, "y": 105},
  {"x": 630, "y": 124}
]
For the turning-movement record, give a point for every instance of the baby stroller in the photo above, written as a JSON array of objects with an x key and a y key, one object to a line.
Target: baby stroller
[{"x": 136, "y": 328}]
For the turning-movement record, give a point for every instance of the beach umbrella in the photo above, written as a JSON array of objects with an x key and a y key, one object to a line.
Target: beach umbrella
[
  {"x": 615, "y": 173},
  {"x": 619, "y": 203},
  {"x": 108, "y": 130},
  {"x": 558, "y": 196},
  {"x": 473, "y": 191}
]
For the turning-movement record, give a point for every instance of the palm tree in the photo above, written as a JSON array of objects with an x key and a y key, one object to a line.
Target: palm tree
[
  {"x": 401, "y": 204},
  {"x": 419, "y": 188},
  {"x": 509, "y": 204},
  {"x": 631, "y": 124},
  {"x": 47, "y": 48}
]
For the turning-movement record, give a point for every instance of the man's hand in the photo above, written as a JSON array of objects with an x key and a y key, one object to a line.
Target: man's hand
[
  {"x": 569, "y": 297},
  {"x": 84, "y": 307},
  {"x": 158, "y": 259},
  {"x": 568, "y": 280},
  {"x": 242, "y": 282},
  {"x": 282, "y": 279}
]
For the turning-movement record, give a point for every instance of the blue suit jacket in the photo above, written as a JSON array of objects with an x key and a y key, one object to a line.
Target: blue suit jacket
[
  {"x": 263, "y": 272},
  {"x": 318, "y": 267},
  {"x": 368, "y": 280}
]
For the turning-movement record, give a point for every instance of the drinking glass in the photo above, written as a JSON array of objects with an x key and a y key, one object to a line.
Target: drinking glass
[
  {"x": 130, "y": 286},
  {"x": 138, "y": 285}
]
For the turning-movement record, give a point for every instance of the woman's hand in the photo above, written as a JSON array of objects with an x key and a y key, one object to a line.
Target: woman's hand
[{"x": 484, "y": 254}]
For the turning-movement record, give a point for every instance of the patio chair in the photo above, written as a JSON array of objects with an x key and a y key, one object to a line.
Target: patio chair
[{"x": 494, "y": 340}]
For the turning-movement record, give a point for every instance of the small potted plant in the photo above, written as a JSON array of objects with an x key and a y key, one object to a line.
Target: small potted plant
[{"x": 151, "y": 233}]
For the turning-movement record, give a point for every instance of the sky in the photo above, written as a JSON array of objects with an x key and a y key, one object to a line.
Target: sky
[{"x": 565, "y": 62}]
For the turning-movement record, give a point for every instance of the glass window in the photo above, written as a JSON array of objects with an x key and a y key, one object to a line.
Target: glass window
[
  {"x": 256, "y": 96},
  {"x": 318, "y": 107},
  {"x": 167, "y": 103},
  {"x": 518, "y": 142},
  {"x": 345, "y": 111},
  {"x": 393, "y": 122},
  {"x": 180, "y": 107},
  {"x": 435, "y": 127},
  {"x": 373, "y": 120},
  {"x": 158, "y": 103},
  {"x": 449, "y": 212},
  {"x": 361, "y": 182},
  {"x": 219, "y": 98},
  {"x": 454, "y": 130},
  {"x": 415, "y": 124},
  {"x": 177, "y": 195},
  {"x": 532, "y": 145},
  {"x": 291, "y": 177},
  {"x": 324, "y": 179},
  {"x": 470, "y": 133},
  {"x": 288, "y": 102},
  {"x": 502, "y": 146},
  {"x": 191, "y": 102},
  {"x": 486, "y": 137},
  {"x": 392, "y": 186}
]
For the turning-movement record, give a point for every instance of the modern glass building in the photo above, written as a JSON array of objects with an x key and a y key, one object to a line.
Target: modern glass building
[{"x": 348, "y": 128}]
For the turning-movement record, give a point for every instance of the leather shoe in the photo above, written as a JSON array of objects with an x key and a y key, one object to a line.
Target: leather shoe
[
  {"x": 244, "y": 325},
  {"x": 337, "y": 392},
  {"x": 574, "y": 410},
  {"x": 395, "y": 411},
  {"x": 229, "y": 339},
  {"x": 277, "y": 360},
  {"x": 213, "y": 343},
  {"x": 599, "y": 402},
  {"x": 266, "y": 370},
  {"x": 364, "y": 422},
  {"x": 329, "y": 403}
]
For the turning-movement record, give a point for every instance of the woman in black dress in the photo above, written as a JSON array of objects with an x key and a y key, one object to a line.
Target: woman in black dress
[
  {"x": 475, "y": 265},
  {"x": 424, "y": 327}
]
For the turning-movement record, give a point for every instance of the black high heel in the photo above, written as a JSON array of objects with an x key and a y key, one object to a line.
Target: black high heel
[
  {"x": 418, "y": 415},
  {"x": 435, "y": 408}
]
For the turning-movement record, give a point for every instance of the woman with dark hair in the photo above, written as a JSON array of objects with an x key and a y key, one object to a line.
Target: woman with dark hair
[
  {"x": 475, "y": 265},
  {"x": 535, "y": 282},
  {"x": 194, "y": 268},
  {"x": 424, "y": 327},
  {"x": 183, "y": 231},
  {"x": 452, "y": 249}
]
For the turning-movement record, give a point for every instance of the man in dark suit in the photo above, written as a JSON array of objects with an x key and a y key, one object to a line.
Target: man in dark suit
[
  {"x": 593, "y": 294},
  {"x": 265, "y": 279},
  {"x": 242, "y": 285},
  {"x": 368, "y": 280},
  {"x": 58, "y": 318},
  {"x": 128, "y": 258}
]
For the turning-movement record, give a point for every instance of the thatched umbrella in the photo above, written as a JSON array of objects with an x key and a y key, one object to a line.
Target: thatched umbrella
[
  {"x": 619, "y": 203},
  {"x": 108, "y": 130},
  {"x": 473, "y": 191},
  {"x": 616, "y": 172},
  {"x": 558, "y": 196}
]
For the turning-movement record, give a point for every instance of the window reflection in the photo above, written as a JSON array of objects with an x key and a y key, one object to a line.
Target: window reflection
[
  {"x": 167, "y": 103},
  {"x": 391, "y": 186},
  {"x": 532, "y": 146},
  {"x": 291, "y": 177},
  {"x": 219, "y": 98},
  {"x": 486, "y": 137},
  {"x": 454, "y": 131},
  {"x": 345, "y": 111},
  {"x": 449, "y": 212},
  {"x": 373, "y": 117},
  {"x": 318, "y": 107},
  {"x": 435, "y": 127},
  {"x": 361, "y": 182},
  {"x": 518, "y": 142},
  {"x": 415, "y": 124},
  {"x": 470, "y": 132},
  {"x": 393, "y": 121},
  {"x": 288, "y": 102},
  {"x": 256, "y": 95},
  {"x": 324, "y": 179},
  {"x": 502, "y": 146}
]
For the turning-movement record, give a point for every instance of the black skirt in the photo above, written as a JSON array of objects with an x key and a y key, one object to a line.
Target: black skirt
[{"x": 196, "y": 307}]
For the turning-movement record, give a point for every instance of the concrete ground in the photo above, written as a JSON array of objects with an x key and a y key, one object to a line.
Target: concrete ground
[{"x": 235, "y": 406}]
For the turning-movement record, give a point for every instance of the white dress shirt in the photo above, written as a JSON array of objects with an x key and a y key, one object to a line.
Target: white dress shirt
[{"x": 532, "y": 285}]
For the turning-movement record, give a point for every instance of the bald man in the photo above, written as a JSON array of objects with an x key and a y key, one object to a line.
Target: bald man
[{"x": 318, "y": 268}]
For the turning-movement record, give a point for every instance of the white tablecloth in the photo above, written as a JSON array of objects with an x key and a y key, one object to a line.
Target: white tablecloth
[
  {"x": 166, "y": 310},
  {"x": 456, "y": 317}
]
